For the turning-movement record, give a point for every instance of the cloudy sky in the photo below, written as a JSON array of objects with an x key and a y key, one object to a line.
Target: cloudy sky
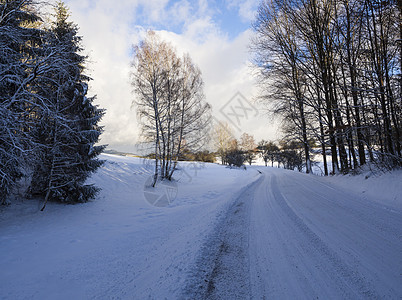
[{"x": 216, "y": 34}]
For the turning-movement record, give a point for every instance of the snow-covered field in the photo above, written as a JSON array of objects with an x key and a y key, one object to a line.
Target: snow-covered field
[{"x": 217, "y": 233}]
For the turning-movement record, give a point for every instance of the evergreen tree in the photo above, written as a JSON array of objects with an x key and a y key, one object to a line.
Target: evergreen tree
[
  {"x": 19, "y": 41},
  {"x": 67, "y": 126}
]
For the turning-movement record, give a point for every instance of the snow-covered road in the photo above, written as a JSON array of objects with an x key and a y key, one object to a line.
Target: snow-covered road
[
  {"x": 309, "y": 240},
  {"x": 229, "y": 234},
  {"x": 301, "y": 238}
]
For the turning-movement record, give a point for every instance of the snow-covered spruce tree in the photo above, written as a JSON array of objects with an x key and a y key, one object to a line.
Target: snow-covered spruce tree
[
  {"x": 67, "y": 121},
  {"x": 19, "y": 43}
]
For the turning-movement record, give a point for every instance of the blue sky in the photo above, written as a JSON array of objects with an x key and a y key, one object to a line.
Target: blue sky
[
  {"x": 216, "y": 34},
  {"x": 231, "y": 17}
]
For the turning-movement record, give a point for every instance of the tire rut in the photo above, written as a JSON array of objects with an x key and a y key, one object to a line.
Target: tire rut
[
  {"x": 353, "y": 279},
  {"x": 222, "y": 270}
]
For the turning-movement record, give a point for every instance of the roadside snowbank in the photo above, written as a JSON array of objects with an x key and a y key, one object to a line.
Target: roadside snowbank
[{"x": 384, "y": 188}]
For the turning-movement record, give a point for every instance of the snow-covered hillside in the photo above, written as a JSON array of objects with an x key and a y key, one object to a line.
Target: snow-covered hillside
[{"x": 214, "y": 233}]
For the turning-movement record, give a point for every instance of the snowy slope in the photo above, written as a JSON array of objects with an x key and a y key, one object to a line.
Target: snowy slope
[
  {"x": 119, "y": 245},
  {"x": 263, "y": 232},
  {"x": 383, "y": 188}
]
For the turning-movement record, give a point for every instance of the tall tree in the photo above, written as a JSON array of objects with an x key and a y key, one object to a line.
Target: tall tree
[
  {"x": 169, "y": 100},
  {"x": 222, "y": 137},
  {"x": 278, "y": 54},
  {"x": 332, "y": 70},
  {"x": 19, "y": 42},
  {"x": 67, "y": 121},
  {"x": 382, "y": 29},
  {"x": 248, "y": 146}
]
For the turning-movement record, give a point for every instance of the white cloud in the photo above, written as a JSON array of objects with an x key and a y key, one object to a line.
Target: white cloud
[
  {"x": 246, "y": 8},
  {"x": 203, "y": 7},
  {"x": 226, "y": 69},
  {"x": 110, "y": 28}
]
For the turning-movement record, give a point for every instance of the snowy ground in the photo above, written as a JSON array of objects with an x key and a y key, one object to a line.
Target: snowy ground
[{"x": 228, "y": 234}]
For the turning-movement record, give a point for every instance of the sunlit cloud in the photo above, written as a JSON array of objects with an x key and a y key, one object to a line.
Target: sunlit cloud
[{"x": 110, "y": 28}]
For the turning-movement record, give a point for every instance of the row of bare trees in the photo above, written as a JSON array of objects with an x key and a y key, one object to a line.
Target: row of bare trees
[
  {"x": 231, "y": 151},
  {"x": 169, "y": 101},
  {"x": 332, "y": 70}
]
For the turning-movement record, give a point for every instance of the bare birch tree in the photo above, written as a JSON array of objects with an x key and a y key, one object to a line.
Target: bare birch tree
[
  {"x": 222, "y": 137},
  {"x": 170, "y": 102}
]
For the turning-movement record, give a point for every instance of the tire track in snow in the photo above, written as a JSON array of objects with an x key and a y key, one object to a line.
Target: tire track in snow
[
  {"x": 362, "y": 209},
  {"x": 344, "y": 275},
  {"x": 263, "y": 247},
  {"x": 222, "y": 270},
  {"x": 365, "y": 235}
]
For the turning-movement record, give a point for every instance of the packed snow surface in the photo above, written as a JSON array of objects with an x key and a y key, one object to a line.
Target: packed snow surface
[{"x": 214, "y": 233}]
